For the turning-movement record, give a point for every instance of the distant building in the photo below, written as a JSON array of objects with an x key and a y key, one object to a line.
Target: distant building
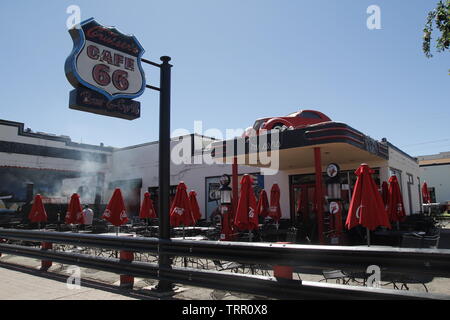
[{"x": 435, "y": 171}]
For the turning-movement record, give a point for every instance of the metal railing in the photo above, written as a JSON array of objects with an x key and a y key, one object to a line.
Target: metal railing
[{"x": 430, "y": 261}]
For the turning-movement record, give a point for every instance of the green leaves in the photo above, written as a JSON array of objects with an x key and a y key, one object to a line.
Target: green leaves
[{"x": 441, "y": 18}]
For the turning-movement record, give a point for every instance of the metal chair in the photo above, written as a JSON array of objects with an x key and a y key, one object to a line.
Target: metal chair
[
  {"x": 337, "y": 275},
  {"x": 223, "y": 266}
]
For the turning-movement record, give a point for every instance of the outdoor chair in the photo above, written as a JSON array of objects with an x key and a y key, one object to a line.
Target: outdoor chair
[
  {"x": 431, "y": 242},
  {"x": 337, "y": 275},
  {"x": 246, "y": 268},
  {"x": 233, "y": 266},
  {"x": 421, "y": 279},
  {"x": 291, "y": 235},
  {"x": 414, "y": 240},
  {"x": 411, "y": 240}
]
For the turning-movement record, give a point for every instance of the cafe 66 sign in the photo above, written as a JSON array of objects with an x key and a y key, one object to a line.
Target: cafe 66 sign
[{"x": 105, "y": 69}]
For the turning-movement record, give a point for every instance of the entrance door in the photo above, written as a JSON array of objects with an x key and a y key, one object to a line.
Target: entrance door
[
  {"x": 302, "y": 203},
  {"x": 303, "y": 213}
]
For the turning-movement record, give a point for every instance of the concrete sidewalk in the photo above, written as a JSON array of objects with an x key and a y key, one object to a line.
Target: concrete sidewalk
[
  {"x": 21, "y": 279},
  {"x": 20, "y": 285}
]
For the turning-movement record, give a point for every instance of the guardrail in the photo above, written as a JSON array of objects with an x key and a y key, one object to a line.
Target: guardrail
[{"x": 431, "y": 261}]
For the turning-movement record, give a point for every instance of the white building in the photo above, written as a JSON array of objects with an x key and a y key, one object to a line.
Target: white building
[
  {"x": 435, "y": 171},
  {"x": 56, "y": 166}
]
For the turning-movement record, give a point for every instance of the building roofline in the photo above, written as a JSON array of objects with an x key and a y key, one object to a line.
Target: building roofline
[
  {"x": 157, "y": 141},
  {"x": 384, "y": 140},
  {"x": 39, "y": 135}
]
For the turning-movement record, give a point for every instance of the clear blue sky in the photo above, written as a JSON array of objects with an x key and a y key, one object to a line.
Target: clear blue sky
[{"x": 238, "y": 60}]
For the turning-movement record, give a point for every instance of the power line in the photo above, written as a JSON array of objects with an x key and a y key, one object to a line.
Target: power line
[{"x": 428, "y": 142}]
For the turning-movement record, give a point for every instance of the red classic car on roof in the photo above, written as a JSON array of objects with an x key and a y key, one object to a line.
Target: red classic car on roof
[{"x": 294, "y": 120}]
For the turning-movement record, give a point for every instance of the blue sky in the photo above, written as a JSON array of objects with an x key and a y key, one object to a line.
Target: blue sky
[{"x": 235, "y": 61}]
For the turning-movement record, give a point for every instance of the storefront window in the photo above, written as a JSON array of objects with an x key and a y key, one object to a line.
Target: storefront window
[{"x": 302, "y": 196}]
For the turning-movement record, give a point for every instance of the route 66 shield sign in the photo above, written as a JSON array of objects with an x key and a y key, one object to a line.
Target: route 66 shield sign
[{"x": 105, "y": 60}]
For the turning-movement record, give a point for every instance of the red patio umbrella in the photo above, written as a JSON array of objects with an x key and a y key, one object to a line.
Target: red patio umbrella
[
  {"x": 147, "y": 210},
  {"x": 426, "y": 198},
  {"x": 37, "y": 212},
  {"x": 275, "y": 210},
  {"x": 115, "y": 212},
  {"x": 425, "y": 194},
  {"x": 366, "y": 206},
  {"x": 262, "y": 207},
  {"x": 385, "y": 192},
  {"x": 395, "y": 207},
  {"x": 74, "y": 213},
  {"x": 246, "y": 217},
  {"x": 180, "y": 210},
  {"x": 196, "y": 214}
]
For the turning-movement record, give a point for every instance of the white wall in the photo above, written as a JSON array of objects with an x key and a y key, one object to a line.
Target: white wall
[
  {"x": 10, "y": 133},
  {"x": 405, "y": 164},
  {"x": 438, "y": 176},
  {"x": 141, "y": 162}
]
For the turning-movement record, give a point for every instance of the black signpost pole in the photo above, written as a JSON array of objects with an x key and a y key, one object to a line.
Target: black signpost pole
[
  {"x": 164, "y": 164},
  {"x": 93, "y": 94}
]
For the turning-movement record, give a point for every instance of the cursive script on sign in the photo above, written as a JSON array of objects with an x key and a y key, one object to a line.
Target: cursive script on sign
[{"x": 112, "y": 39}]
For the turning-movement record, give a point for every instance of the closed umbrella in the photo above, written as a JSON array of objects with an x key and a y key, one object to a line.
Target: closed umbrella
[
  {"x": 74, "y": 213},
  {"x": 395, "y": 207},
  {"x": 366, "y": 206},
  {"x": 196, "y": 214},
  {"x": 115, "y": 212},
  {"x": 385, "y": 192},
  {"x": 262, "y": 207},
  {"x": 246, "y": 217},
  {"x": 37, "y": 212},
  {"x": 180, "y": 210},
  {"x": 425, "y": 193},
  {"x": 147, "y": 209},
  {"x": 275, "y": 209},
  {"x": 426, "y": 198}
]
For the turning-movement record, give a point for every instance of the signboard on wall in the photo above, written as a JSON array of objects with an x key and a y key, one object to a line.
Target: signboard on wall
[
  {"x": 105, "y": 66},
  {"x": 212, "y": 185}
]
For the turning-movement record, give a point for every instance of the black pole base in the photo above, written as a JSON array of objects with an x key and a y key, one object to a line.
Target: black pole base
[{"x": 164, "y": 289}]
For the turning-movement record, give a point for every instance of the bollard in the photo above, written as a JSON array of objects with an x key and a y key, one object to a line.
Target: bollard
[
  {"x": 126, "y": 282},
  {"x": 45, "y": 264},
  {"x": 285, "y": 272}
]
